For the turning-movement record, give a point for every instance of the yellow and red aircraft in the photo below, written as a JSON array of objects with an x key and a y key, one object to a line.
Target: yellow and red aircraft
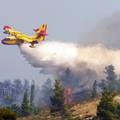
[{"x": 17, "y": 38}]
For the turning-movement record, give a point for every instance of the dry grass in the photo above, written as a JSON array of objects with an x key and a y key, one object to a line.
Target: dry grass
[{"x": 85, "y": 111}]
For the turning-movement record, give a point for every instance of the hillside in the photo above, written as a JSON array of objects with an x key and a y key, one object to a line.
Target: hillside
[{"x": 85, "y": 111}]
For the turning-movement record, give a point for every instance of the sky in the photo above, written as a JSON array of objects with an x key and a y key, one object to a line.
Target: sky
[{"x": 66, "y": 20}]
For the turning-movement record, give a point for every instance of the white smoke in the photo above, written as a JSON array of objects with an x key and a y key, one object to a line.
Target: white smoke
[{"x": 53, "y": 57}]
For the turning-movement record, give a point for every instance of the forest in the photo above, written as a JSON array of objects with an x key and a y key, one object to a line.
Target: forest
[{"x": 20, "y": 98}]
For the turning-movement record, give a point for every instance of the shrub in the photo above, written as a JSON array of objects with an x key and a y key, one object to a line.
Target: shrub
[{"x": 7, "y": 114}]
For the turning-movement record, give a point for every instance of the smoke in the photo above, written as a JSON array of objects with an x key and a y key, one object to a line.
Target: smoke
[
  {"x": 77, "y": 65},
  {"x": 54, "y": 57},
  {"x": 106, "y": 32}
]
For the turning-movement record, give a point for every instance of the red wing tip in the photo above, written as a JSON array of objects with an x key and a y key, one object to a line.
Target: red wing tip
[{"x": 6, "y": 27}]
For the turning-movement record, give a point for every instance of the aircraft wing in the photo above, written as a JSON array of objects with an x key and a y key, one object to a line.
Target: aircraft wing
[
  {"x": 25, "y": 38},
  {"x": 10, "y": 37},
  {"x": 18, "y": 35}
]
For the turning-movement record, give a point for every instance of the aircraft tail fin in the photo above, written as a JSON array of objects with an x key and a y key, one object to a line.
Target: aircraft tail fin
[{"x": 40, "y": 33}]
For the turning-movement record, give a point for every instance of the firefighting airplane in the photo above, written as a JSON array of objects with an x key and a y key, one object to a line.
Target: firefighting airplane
[{"x": 17, "y": 38}]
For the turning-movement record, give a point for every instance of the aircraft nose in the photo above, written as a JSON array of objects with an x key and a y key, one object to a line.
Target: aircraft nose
[
  {"x": 4, "y": 41},
  {"x": 8, "y": 41}
]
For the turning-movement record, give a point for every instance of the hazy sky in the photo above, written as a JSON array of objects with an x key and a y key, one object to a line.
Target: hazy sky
[{"x": 66, "y": 20}]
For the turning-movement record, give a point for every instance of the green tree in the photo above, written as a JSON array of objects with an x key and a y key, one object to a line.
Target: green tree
[
  {"x": 118, "y": 110},
  {"x": 94, "y": 89},
  {"x": 17, "y": 109},
  {"x": 106, "y": 109},
  {"x": 7, "y": 114},
  {"x": 57, "y": 100},
  {"x": 25, "y": 104},
  {"x": 68, "y": 113},
  {"x": 47, "y": 90},
  {"x": 32, "y": 95},
  {"x": 111, "y": 78}
]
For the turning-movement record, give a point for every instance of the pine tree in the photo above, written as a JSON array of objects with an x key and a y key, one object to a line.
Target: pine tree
[
  {"x": 17, "y": 109},
  {"x": 106, "y": 109},
  {"x": 32, "y": 96},
  {"x": 68, "y": 113},
  {"x": 94, "y": 89},
  {"x": 57, "y": 100},
  {"x": 25, "y": 104},
  {"x": 46, "y": 89},
  {"x": 111, "y": 77},
  {"x": 7, "y": 114}
]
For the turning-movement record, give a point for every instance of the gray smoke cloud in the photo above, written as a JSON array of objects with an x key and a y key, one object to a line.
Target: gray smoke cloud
[{"x": 106, "y": 32}]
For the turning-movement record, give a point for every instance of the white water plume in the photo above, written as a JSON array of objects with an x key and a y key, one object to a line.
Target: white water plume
[{"x": 54, "y": 56}]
